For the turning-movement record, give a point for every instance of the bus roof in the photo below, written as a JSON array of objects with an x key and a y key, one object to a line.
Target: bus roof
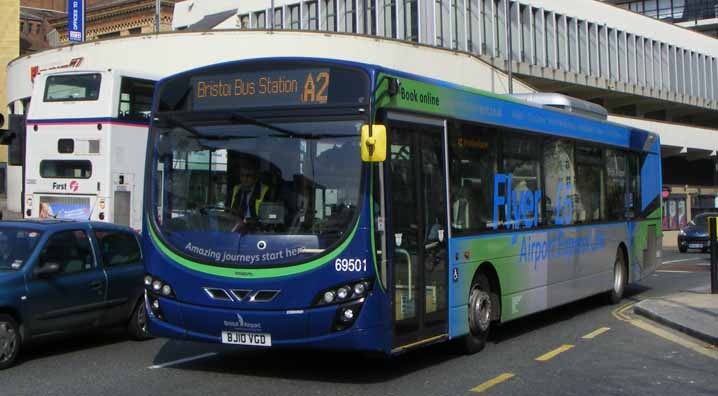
[{"x": 471, "y": 104}]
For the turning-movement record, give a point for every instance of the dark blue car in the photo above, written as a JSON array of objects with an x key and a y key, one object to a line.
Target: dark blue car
[
  {"x": 60, "y": 277},
  {"x": 695, "y": 234}
]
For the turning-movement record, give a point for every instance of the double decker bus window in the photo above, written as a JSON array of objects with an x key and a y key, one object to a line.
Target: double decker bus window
[
  {"x": 59, "y": 169},
  {"x": 72, "y": 87}
]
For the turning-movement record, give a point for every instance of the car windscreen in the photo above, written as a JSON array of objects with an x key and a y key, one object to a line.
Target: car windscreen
[{"x": 16, "y": 246}]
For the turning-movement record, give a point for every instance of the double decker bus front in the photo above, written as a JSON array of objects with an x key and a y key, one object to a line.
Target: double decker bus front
[{"x": 258, "y": 214}]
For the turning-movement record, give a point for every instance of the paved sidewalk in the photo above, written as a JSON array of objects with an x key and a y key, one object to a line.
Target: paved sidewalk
[{"x": 693, "y": 312}]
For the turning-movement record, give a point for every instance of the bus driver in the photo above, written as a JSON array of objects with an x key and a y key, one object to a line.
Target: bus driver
[{"x": 251, "y": 192}]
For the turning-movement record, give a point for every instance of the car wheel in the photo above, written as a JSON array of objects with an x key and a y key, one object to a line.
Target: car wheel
[
  {"x": 682, "y": 249},
  {"x": 9, "y": 341},
  {"x": 480, "y": 316},
  {"x": 138, "y": 326},
  {"x": 620, "y": 279}
]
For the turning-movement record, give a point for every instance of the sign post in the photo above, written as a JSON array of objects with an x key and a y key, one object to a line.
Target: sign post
[
  {"x": 76, "y": 20},
  {"x": 713, "y": 237}
]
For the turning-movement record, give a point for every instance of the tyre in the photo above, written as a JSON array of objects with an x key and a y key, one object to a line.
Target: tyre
[
  {"x": 682, "y": 249},
  {"x": 620, "y": 279},
  {"x": 9, "y": 341},
  {"x": 138, "y": 325},
  {"x": 481, "y": 308}
]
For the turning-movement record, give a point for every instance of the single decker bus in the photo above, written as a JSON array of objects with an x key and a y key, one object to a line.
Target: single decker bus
[{"x": 324, "y": 203}]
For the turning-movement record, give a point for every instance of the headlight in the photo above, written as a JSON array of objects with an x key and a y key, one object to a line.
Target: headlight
[
  {"x": 681, "y": 233},
  {"x": 345, "y": 292},
  {"x": 158, "y": 287}
]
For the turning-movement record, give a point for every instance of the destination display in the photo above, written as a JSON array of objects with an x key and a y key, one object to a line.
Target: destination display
[{"x": 264, "y": 88}]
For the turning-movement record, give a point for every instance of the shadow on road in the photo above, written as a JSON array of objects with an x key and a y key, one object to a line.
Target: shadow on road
[
  {"x": 356, "y": 368},
  {"x": 60, "y": 345},
  {"x": 311, "y": 365}
]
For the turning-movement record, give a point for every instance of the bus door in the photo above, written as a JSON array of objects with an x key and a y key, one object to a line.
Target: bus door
[{"x": 418, "y": 233}]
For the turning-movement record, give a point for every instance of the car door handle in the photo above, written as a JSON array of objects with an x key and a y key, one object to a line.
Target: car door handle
[{"x": 97, "y": 285}]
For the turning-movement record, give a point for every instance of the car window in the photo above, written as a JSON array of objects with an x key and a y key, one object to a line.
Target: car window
[
  {"x": 118, "y": 248},
  {"x": 71, "y": 250},
  {"x": 702, "y": 219}
]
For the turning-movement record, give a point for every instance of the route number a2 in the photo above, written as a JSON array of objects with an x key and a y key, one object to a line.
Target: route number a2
[{"x": 315, "y": 89}]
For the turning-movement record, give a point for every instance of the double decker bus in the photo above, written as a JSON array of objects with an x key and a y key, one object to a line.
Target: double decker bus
[
  {"x": 85, "y": 145},
  {"x": 331, "y": 204}
]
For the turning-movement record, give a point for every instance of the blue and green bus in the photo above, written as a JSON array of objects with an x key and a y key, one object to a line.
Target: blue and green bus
[{"x": 320, "y": 203}]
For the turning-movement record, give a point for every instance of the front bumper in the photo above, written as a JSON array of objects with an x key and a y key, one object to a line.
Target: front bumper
[
  {"x": 689, "y": 242},
  {"x": 306, "y": 328}
]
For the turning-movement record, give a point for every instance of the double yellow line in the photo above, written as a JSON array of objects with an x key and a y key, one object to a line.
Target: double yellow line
[{"x": 620, "y": 314}]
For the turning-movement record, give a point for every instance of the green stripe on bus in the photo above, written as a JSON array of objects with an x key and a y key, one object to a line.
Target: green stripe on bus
[{"x": 251, "y": 273}]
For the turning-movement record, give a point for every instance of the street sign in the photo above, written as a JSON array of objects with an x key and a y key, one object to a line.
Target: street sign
[{"x": 76, "y": 20}]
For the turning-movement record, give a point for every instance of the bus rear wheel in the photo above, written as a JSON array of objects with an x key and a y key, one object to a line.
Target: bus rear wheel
[
  {"x": 620, "y": 279},
  {"x": 480, "y": 315}
]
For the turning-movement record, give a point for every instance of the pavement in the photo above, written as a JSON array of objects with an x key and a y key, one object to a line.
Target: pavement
[{"x": 693, "y": 312}]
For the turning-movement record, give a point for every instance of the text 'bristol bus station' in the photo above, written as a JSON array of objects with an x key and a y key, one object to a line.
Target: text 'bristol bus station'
[{"x": 343, "y": 188}]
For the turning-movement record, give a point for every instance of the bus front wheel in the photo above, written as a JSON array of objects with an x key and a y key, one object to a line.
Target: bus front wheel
[{"x": 480, "y": 314}]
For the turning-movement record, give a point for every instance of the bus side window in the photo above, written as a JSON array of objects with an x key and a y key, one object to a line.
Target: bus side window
[
  {"x": 473, "y": 165},
  {"x": 560, "y": 181},
  {"x": 135, "y": 99}
]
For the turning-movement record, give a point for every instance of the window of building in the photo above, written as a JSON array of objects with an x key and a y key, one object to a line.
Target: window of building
[
  {"x": 312, "y": 16},
  {"x": 134, "y": 31},
  {"x": 260, "y": 20},
  {"x": 411, "y": 20},
  {"x": 389, "y": 18},
  {"x": 369, "y": 17},
  {"x": 108, "y": 35},
  {"x": 350, "y": 11},
  {"x": 294, "y": 21},
  {"x": 439, "y": 22},
  {"x": 243, "y": 21},
  {"x": 330, "y": 14},
  {"x": 136, "y": 99},
  {"x": 278, "y": 22}
]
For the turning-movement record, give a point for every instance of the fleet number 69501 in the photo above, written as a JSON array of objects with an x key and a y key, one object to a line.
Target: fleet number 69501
[{"x": 350, "y": 265}]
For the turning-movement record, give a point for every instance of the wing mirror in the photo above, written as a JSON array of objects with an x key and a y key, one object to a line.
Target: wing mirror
[
  {"x": 47, "y": 270},
  {"x": 373, "y": 143}
]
